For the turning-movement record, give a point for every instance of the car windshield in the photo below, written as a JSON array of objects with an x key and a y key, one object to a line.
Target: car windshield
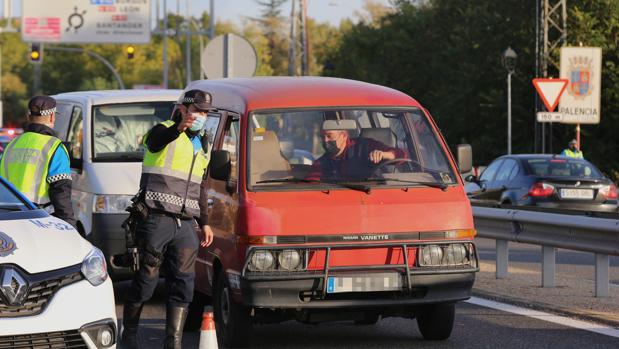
[
  {"x": 345, "y": 147},
  {"x": 9, "y": 201},
  {"x": 118, "y": 129},
  {"x": 554, "y": 167}
]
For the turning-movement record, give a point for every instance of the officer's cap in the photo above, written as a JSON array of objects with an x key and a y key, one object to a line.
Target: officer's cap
[
  {"x": 200, "y": 99},
  {"x": 41, "y": 106},
  {"x": 573, "y": 141}
]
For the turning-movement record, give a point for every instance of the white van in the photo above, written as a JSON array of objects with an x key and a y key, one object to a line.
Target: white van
[{"x": 104, "y": 132}]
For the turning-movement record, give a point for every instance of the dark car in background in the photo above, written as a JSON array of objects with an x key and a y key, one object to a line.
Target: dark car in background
[{"x": 544, "y": 180}]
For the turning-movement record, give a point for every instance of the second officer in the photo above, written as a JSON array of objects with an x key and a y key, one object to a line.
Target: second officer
[{"x": 173, "y": 166}]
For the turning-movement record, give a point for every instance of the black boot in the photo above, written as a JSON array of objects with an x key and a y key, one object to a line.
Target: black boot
[
  {"x": 131, "y": 318},
  {"x": 175, "y": 320}
]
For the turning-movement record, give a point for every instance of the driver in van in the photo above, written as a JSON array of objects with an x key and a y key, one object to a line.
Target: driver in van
[{"x": 349, "y": 158}]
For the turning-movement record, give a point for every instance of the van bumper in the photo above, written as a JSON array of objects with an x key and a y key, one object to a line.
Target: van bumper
[
  {"x": 108, "y": 235},
  {"x": 307, "y": 293}
]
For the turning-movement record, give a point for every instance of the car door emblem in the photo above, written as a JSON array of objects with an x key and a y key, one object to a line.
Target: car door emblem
[
  {"x": 13, "y": 286},
  {"x": 7, "y": 245}
]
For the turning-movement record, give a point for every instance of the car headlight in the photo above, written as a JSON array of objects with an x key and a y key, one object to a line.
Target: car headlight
[
  {"x": 289, "y": 259},
  {"x": 454, "y": 254},
  {"x": 94, "y": 267},
  {"x": 261, "y": 260},
  {"x": 111, "y": 203}
]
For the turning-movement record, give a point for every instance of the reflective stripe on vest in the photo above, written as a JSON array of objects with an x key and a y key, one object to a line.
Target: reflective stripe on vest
[
  {"x": 165, "y": 175},
  {"x": 25, "y": 164}
]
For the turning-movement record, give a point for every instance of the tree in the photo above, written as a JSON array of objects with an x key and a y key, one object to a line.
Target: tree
[{"x": 273, "y": 28}]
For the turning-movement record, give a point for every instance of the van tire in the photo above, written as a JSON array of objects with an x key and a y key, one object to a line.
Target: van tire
[
  {"x": 436, "y": 321},
  {"x": 368, "y": 319},
  {"x": 232, "y": 320},
  {"x": 196, "y": 310}
]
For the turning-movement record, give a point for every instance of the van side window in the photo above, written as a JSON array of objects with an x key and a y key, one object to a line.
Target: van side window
[
  {"x": 63, "y": 117},
  {"x": 75, "y": 133},
  {"x": 210, "y": 130},
  {"x": 231, "y": 144}
]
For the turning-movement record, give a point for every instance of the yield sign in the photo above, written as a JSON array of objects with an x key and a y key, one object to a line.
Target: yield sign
[{"x": 550, "y": 90}]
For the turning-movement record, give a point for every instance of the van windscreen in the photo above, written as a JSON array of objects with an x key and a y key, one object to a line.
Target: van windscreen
[
  {"x": 345, "y": 148},
  {"x": 118, "y": 129}
]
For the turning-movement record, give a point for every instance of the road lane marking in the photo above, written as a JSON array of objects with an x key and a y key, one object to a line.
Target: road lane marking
[{"x": 557, "y": 319}]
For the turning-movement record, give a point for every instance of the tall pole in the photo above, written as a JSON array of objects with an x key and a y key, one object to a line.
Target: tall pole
[
  {"x": 292, "y": 52},
  {"x": 188, "y": 43},
  {"x": 304, "y": 66},
  {"x": 211, "y": 24},
  {"x": 509, "y": 113},
  {"x": 165, "y": 44}
]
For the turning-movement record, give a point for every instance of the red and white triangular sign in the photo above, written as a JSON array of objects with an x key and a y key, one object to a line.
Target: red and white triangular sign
[{"x": 550, "y": 90}]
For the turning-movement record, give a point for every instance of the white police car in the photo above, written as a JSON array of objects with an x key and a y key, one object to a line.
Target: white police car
[{"x": 54, "y": 287}]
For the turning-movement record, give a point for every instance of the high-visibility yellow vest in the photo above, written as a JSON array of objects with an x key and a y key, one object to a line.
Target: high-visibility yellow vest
[
  {"x": 166, "y": 180},
  {"x": 25, "y": 163},
  {"x": 572, "y": 154}
]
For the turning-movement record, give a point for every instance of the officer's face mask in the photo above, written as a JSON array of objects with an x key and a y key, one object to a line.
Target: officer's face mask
[{"x": 198, "y": 123}]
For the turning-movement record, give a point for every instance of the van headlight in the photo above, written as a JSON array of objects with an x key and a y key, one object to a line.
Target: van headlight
[
  {"x": 289, "y": 259},
  {"x": 94, "y": 267},
  {"x": 261, "y": 260},
  {"x": 111, "y": 203}
]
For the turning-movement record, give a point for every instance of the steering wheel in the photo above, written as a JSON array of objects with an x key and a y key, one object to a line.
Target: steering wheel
[{"x": 386, "y": 163}]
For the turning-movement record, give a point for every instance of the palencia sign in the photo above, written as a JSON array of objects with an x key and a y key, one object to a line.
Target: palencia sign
[
  {"x": 86, "y": 21},
  {"x": 582, "y": 66}
]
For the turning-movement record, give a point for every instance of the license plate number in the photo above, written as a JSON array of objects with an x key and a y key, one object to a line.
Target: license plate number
[
  {"x": 577, "y": 194},
  {"x": 367, "y": 283}
]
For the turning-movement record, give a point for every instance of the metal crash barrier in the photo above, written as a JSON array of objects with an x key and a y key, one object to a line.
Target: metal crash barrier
[{"x": 551, "y": 229}]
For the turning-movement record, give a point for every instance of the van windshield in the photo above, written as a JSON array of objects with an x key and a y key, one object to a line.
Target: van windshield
[
  {"x": 118, "y": 129},
  {"x": 345, "y": 148}
]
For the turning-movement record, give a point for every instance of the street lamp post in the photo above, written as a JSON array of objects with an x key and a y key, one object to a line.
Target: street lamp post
[{"x": 509, "y": 62}]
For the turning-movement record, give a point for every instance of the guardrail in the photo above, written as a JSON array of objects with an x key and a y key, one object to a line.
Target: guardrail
[{"x": 551, "y": 230}]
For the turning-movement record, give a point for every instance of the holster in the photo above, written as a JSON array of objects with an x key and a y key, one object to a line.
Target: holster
[{"x": 138, "y": 211}]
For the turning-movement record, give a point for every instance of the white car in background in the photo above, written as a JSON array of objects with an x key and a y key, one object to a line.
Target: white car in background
[{"x": 54, "y": 288}]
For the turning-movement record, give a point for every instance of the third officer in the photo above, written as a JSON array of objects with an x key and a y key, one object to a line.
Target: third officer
[{"x": 172, "y": 170}]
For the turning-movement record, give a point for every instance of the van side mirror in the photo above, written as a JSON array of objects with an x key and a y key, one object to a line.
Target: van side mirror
[
  {"x": 464, "y": 154},
  {"x": 219, "y": 166}
]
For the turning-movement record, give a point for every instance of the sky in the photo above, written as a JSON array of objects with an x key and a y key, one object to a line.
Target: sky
[{"x": 331, "y": 11}]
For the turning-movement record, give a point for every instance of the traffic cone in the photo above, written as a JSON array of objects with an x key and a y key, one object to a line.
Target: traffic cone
[{"x": 208, "y": 334}]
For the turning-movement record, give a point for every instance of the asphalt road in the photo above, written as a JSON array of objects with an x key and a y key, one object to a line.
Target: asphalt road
[{"x": 475, "y": 327}]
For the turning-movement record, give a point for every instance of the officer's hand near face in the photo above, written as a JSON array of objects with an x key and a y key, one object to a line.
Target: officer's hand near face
[
  {"x": 207, "y": 236},
  {"x": 186, "y": 121}
]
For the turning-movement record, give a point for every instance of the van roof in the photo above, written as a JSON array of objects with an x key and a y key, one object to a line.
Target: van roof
[
  {"x": 245, "y": 94},
  {"x": 120, "y": 96}
]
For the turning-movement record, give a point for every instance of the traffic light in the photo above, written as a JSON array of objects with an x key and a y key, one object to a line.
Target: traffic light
[
  {"x": 36, "y": 53},
  {"x": 130, "y": 51}
]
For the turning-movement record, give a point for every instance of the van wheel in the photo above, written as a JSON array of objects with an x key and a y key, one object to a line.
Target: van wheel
[
  {"x": 232, "y": 320},
  {"x": 196, "y": 310},
  {"x": 436, "y": 321},
  {"x": 368, "y": 319}
]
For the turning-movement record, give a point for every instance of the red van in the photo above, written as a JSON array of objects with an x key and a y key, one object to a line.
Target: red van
[{"x": 331, "y": 199}]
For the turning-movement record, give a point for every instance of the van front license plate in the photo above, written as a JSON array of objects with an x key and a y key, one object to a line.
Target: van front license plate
[
  {"x": 368, "y": 283},
  {"x": 577, "y": 194}
]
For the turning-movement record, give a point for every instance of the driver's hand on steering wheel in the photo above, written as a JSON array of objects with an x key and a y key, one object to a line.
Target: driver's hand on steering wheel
[{"x": 377, "y": 156}]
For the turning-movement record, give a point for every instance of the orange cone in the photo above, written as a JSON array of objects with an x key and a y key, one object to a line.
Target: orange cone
[{"x": 208, "y": 335}]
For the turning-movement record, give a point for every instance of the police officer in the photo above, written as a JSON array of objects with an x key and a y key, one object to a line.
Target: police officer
[
  {"x": 572, "y": 150},
  {"x": 37, "y": 163},
  {"x": 173, "y": 166}
]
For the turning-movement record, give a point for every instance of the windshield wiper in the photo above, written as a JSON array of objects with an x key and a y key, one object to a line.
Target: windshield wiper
[
  {"x": 345, "y": 184},
  {"x": 438, "y": 185}
]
